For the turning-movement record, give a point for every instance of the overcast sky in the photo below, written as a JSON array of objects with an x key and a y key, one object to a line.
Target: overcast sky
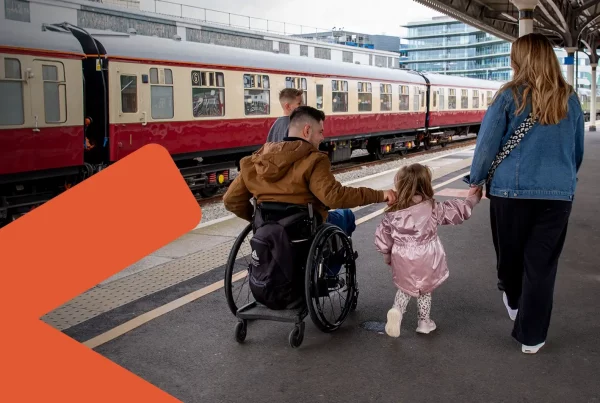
[{"x": 365, "y": 16}]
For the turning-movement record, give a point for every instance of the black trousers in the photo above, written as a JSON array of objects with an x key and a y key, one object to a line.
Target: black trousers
[{"x": 528, "y": 237}]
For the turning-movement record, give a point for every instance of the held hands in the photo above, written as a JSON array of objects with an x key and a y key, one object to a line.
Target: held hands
[
  {"x": 390, "y": 196},
  {"x": 476, "y": 191}
]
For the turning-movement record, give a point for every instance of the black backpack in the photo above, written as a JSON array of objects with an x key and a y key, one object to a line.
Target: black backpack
[{"x": 275, "y": 274}]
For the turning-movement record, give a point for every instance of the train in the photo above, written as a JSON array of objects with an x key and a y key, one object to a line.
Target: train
[{"x": 75, "y": 101}]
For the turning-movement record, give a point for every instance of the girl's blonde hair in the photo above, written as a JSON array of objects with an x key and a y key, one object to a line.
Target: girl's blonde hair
[
  {"x": 537, "y": 74},
  {"x": 410, "y": 181}
]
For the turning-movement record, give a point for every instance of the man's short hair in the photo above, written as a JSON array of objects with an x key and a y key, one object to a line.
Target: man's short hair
[
  {"x": 290, "y": 94},
  {"x": 305, "y": 112}
]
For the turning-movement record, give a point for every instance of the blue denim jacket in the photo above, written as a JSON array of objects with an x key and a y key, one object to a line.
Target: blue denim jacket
[{"x": 545, "y": 163}]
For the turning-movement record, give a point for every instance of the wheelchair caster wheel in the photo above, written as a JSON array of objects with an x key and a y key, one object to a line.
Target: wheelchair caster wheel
[
  {"x": 297, "y": 336},
  {"x": 240, "y": 331}
]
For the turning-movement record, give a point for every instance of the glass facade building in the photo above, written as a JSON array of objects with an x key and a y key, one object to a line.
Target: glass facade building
[{"x": 447, "y": 46}]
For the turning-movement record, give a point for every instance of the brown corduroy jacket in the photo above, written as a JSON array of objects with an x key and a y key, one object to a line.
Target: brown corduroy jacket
[{"x": 292, "y": 171}]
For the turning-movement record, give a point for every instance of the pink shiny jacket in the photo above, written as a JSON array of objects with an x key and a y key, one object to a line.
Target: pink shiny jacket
[{"x": 408, "y": 239}]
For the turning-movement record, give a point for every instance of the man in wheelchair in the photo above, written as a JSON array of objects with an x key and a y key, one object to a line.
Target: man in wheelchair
[{"x": 291, "y": 173}]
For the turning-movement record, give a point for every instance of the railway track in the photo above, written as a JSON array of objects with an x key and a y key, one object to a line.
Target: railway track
[{"x": 362, "y": 161}]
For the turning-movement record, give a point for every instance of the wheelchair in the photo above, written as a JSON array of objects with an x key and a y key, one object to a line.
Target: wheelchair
[{"x": 322, "y": 247}]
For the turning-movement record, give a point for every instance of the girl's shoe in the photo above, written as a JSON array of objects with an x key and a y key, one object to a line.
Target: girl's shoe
[
  {"x": 426, "y": 326},
  {"x": 394, "y": 318},
  {"x": 531, "y": 349},
  {"x": 512, "y": 313}
]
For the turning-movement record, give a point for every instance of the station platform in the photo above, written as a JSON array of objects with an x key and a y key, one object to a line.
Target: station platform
[{"x": 169, "y": 323}]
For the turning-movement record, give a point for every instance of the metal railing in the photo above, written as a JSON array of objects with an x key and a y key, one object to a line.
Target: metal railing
[{"x": 195, "y": 13}]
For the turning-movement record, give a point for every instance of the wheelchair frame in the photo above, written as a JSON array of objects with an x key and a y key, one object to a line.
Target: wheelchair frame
[{"x": 297, "y": 312}]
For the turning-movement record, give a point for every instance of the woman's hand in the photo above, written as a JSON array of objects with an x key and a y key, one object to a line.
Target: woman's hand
[{"x": 476, "y": 191}]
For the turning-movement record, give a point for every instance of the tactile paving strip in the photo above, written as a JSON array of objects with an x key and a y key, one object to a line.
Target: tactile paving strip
[{"x": 103, "y": 298}]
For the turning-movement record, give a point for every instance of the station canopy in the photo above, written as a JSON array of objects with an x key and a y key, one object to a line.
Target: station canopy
[{"x": 567, "y": 23}]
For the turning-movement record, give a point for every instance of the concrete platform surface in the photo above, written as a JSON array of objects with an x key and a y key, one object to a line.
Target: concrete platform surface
[{"x": 190, "y": 352}]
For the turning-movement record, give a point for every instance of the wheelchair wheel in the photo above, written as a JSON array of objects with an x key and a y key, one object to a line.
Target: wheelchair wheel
[
  {"x": 330, "y": 290},
  {"x": 296, "y": 336},
  {"x": 238, "y": 292}
]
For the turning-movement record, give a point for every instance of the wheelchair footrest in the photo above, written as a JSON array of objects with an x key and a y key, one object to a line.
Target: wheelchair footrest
[{"x": 256, "y": 311}]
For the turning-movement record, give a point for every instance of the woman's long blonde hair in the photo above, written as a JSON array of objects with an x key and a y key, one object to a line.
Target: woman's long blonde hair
[
  {"x": 538, "y": 79},
  {"x": 410, "y": 181}
]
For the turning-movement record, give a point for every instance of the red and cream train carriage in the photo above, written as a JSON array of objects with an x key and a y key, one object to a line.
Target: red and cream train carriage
[{"x": 89, "y": 103}]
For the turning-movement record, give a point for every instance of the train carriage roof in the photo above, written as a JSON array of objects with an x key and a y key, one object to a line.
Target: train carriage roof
[
  {"x": 154, "y": 48},
  {"x": 30, "y": 36},
  {"x": 122, "y": 45}
]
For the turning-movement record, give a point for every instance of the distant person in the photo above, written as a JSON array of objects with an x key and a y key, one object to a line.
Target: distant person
[
  {"x": 528, "y": 153},
  {"x": 290, "y": 99},
  {"x": 407, "y": 237}
]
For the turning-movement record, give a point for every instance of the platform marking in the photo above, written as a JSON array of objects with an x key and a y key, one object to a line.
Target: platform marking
[
  {"x": 186, "y": 299},
  {"x": 364, "y": 178},
  {"x": 155, "y": 313}
]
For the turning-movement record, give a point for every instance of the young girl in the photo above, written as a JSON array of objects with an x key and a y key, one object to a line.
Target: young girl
[{"x": 407, "y": 238}]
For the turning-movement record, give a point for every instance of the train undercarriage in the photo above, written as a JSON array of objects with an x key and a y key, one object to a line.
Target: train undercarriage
[{"x": 21, "y": 194}]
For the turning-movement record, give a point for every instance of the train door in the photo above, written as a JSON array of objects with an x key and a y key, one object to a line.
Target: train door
[
  {"x": 129, "y": 117},
  {"x": 51, "y": 139},
  {"x": 435, "y": 100}
]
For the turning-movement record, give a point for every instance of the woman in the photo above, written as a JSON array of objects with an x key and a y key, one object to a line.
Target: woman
[{"x": 531, "y": 190}]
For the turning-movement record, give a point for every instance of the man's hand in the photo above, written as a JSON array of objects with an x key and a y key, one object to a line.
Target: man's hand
[
  {"x": 390, "y": 197},
  {"x": 477, "y": 191}
]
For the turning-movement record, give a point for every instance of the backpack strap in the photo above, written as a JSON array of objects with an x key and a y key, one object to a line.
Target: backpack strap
[{"x": 512, "y": 142}]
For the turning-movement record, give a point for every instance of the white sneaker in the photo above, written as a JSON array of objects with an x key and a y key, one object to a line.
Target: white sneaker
[
  {"x": 394, "y": 318},
  {"x": 512, "y": 313},
  {"x": 531, "y": 349},
  {"x": 426, "y": 326}
]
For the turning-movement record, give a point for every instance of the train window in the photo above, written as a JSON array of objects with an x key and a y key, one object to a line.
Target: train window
[
  {"x": 300, "y": 84},
  {"x": 54, "y": 93},
  {"x": 161, "y": 93},
  {"x": 11, "y": 94},
  {"x": 464, "y": 99},
  {"x": 153, "y": 76},
  {"x": 129, "y": 94},
  {"x": 404, "y": 104},
  {"x": 489, "y": 97},
  {"x": 482, "y": 100},
  {"x": 417, "y": 94},
  {"x": 339, "y": 92},
  {"x": 257, "y": 95},
  {"x": 434, "y": 99},
  {"x": 319, "y": 96},
  {"x": 168, "y": 76},
  {"x": 452, "y": 98},
  {"x": 475, "y": 99},
  {"x": 365, "y": 97},
  {"x": 208, "y": 93},
  {"x": 442, "y": 100},
  {"x": 385, "y": 97}
]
